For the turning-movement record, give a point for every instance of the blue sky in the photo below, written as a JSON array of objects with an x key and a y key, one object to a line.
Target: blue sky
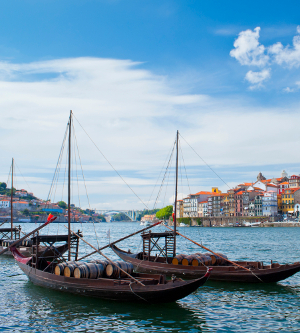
[{"x": 136, "y": 71}]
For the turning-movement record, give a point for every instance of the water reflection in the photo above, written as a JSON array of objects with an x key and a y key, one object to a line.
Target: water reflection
[
  {"x": 217, "y": 307},
  {"x": 62, "y": 311}
]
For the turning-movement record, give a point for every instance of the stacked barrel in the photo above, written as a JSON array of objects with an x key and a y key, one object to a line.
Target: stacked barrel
[
  {"x": 200, "y": 259},
  {"x": 94, "y": 269}
]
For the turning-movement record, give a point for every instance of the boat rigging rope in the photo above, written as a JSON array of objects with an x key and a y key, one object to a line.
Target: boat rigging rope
[
  {"x": 84, "y": 184},
  {"x": 23, "y": 176},
  {"x": 58, "y": 162},
  {"x": 137, "y": 294},
  {"x": 184, "y": 167},
  {"x": 205, "y": 162},
  {"x": 163, "y": 167},
  {"x": 162, "y": 183},
  {"x": 110, "y": 163}
]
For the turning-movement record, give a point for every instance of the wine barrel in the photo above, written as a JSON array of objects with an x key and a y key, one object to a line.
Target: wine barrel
[
  {"x": 204, "y": 260},
  {"x": 188, "y": 260},
  {"x": 59, "y": 268},
  {"x": 101, "y": 262},
  {"x": 69, "y": 269},
  {"x": 212, "y": 257},
  {"x": 96, "y": 270},
  {"x": 113, "y": 271},
  {"x": 81, "y": 272},
  {"x": 219, "y": 260},
  {"x": 89, "y": 270},
  {"x": 178, "y": 259}
]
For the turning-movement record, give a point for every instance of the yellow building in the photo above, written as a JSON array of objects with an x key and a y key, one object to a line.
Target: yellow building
[
  {"x": 226, "y": 204},
  {"x": 215, "y": 190},
  {"x": 288, "y": 199},
  {"x": 279, "y": 203}
]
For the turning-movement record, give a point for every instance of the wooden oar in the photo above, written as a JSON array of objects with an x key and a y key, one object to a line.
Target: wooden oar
[
  {"x": 49, "y": 220},
  {"x": 2, "y": 224},
  {"x": 119, "y": 240},
  {"x": 207, "y": 249},
  {"x": 106, "y": 257}
]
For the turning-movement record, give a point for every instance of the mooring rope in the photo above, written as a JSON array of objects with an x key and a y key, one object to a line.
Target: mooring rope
[{"x": 137, "y": 294}]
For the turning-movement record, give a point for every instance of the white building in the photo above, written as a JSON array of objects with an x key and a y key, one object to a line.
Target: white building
[
  {"x": 269, "y": 204},
  {"x": 4, "y": 203},
  {"x": 202, "y": 208},
  {"x": 190, "y": 204}
]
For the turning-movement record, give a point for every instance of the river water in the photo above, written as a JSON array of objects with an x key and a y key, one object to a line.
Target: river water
[{"x": 215, "y": 307}]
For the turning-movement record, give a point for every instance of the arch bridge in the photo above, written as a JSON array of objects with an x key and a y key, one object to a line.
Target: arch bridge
[{"x": 132, "y": 214}]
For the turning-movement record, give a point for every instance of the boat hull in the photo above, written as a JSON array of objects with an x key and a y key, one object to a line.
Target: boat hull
[
  {"x": 219, "y": 273},
  {"x": 110, "y": 289},
  {"x": 27, "y": 251}
]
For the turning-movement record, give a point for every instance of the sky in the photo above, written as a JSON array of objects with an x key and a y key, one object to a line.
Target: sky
[{"x": 226, "y": 75}]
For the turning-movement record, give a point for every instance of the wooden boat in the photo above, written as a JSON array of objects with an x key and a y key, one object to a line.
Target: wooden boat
[
  {"x": 164, "y": 243},
  {"x": 137, "y": 287},
  {"x": 257, "y": 272},
  {"x": 156, "y": 288}
]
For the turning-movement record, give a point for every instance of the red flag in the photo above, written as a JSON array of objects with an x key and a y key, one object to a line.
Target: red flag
[
  {"x": 51, "y": 218},
  {"x": 173, "y": 215}
]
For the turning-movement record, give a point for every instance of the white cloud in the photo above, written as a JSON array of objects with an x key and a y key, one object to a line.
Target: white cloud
[
  {"x": 248, "y": 51},
  {"x": 286, "y": 55},
  {"x": 257, "y": 78},
  {"x": 288, "y": 90},
  {"x": 132, "y": 115}
]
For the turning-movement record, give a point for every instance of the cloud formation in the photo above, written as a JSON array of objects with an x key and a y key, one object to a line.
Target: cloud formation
[
  {"x": 256, "y": 78},
  {"x": 132, "y": 116},
  {"x": 249, "y": 52}
]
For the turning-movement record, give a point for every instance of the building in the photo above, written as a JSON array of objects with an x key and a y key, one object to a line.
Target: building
[
  {"x": 279, "y": 203},
  {"x": 258, "y": 205},
  {"x": 20, "y": 205},
  {"x": 179, "y": 209},
  {"x": 148, "y": 217},
  {"x": 202, "y": 209},
  {"x": 21, "y": 193},
  {"x": 269, "y": 203},
  {"x": 4, "y": 203},
  {"x": 238, "y": 197},
  {"x": 190, "y": 203},
  {"x": 282, "y": 187},
  {"x": 217, "y": 204},
  {"x": 190, "y": 206},
  {"x": 289, "y": 198},
  {"x": 294, "y": 181}
]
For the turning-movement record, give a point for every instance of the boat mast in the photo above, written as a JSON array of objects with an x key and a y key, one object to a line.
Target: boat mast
[
  {"x": 175, "y": 211},
  {"x": 69, "y": 190},
  {"x": 11, "y": 199}
]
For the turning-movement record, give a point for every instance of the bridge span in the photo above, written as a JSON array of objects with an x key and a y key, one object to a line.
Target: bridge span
[{"x": 132, "y": 214}]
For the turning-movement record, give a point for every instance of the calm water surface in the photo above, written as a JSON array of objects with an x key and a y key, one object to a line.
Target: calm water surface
[{"x": 216, "y": 307}]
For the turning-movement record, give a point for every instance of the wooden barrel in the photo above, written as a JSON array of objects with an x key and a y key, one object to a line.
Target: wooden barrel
[
  {"x": 96, "y": 270},
  {"x": 89, "y": 270},
  {"x": 220, "y": 261},
  {"x": 81, "y": 272},
  {"x": 212, "y": 257},
  {"x": 203, "y": 260},
  {"x": 59, "y": 268},
  {"x": 69, "y": 269},
  {"x": 188, "y": 260},
  {"x": 113, "y": 271},
  {"x": 178, "y": 259},
  {"x": 101, "y": 262}
]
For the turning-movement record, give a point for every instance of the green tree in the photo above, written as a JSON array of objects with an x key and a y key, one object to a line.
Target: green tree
[
  {"x": 62, "y": 205},
  {"x": 26, "y": 212},
  {"x": 165, "y": 212}
]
